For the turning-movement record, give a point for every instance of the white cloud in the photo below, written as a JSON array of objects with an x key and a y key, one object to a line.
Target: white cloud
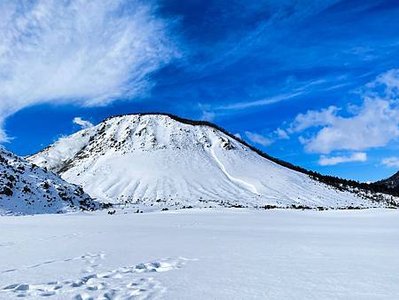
[
  {"x": 208, "y": 116},
  {"x": 334, "y": 160},
  {"x": 4, "y": 138},
  {"x": 281, "y": 134},
  {"x": 313, "y": 118},
  {"x": 82, "y": 123},
  {"x": 258, "y": 138},
  {"x": 81, "y": 52},
  {"x": 392, "y": 162},
  {"x": 389, "y": 81},
  {"x": 237, "y": 135},
  {"x": 373, "y": 123}
]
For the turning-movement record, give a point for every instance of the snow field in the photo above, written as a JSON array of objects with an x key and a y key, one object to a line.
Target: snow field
[{"x": 201, "y": 254}]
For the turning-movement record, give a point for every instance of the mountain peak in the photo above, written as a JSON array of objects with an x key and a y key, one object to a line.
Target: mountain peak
[{"x": 128, "y": 133}]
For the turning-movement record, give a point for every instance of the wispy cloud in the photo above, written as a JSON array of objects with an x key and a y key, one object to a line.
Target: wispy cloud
[
  {"x": 281, "y": 134},
  {"x": 335, "y": 160},
  {"x": 259, "y": 102},
  {"x": 258, "y": 138},
  {"x": 81, "y": 52},
  {"x": 392, "y": 162},
  {"x": 300, "y": 90},
  {"x": 84, "y": 124},
  {"x": 245, "y": 40}
]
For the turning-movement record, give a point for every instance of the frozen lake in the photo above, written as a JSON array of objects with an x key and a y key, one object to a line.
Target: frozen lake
[{"x": 202, "y": 254}]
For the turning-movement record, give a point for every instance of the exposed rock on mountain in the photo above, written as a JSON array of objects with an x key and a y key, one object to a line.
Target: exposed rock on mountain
[{"x": 26, "y": 188}]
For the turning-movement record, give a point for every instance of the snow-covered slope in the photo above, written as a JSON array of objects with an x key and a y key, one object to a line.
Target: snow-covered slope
[
  {"x": 28, "y": 189},
  {"x": 160, "y": 161}
]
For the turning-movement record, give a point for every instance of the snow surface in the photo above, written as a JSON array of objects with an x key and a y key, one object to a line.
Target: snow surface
[
  {"x": 201, "y": 254},
  {"x": 157, "y": 161},
  {"x": 28, "y": 189}
]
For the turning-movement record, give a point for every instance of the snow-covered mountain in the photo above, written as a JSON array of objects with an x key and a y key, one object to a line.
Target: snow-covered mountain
[
  {"x": 166, "y": 162},
  {"x": 28, "y": 189}
]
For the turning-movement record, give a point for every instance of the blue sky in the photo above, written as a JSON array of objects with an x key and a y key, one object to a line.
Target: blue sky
[{"x": 315, "y": 83}]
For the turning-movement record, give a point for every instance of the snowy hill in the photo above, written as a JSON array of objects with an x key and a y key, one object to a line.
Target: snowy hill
[
  {"x": 165, "y": 162},
  {"x": 29, "y": 189}
]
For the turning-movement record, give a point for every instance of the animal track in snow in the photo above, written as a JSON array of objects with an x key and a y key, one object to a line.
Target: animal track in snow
[{"x": 121, "y": 283}]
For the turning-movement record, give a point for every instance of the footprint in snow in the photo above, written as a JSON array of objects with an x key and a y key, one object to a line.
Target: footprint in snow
[
  {"x": 91, "y": 260},
  {"x": 121, "y": 283}
]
